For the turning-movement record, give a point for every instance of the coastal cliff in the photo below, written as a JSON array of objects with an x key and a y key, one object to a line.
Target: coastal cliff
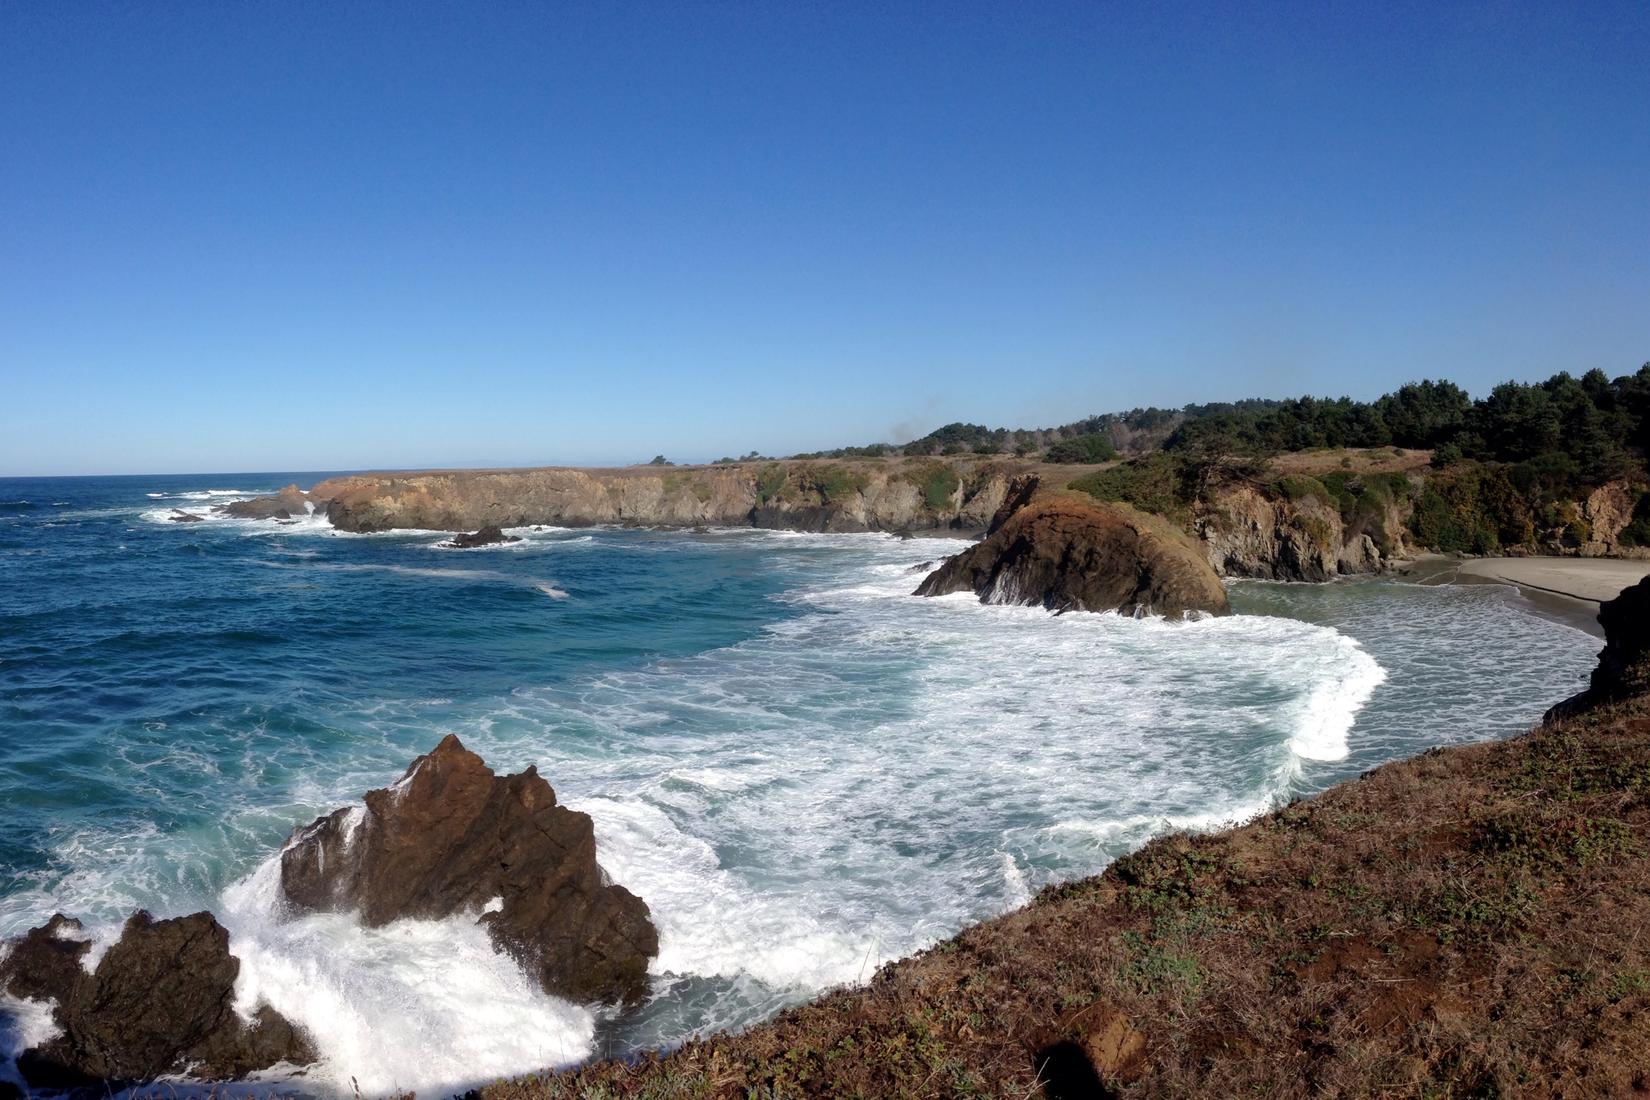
[
  {"x": 1304, "y": 517},
  {"x": 1245, "y": 530},
  {"x": 1464, "y": 923},
  {"x": 900, "y": 495}
]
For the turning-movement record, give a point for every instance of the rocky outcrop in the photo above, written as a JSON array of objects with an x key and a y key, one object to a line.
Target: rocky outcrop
[
  {"x": 1067, "y": 554},
  {"x": 923, "y": 494},
  {"x": 1246, "y": 533},
  {"x": 160, "y": 1001},
  {"x": 451, "y": 837},
  {"x": 486, "y": 536},
  {"x": 1623, "y": 669},
  {"x": 288, "y": 502},
  {"x": 180, "y": 516},
  {"x": 1016, "y": 495}
]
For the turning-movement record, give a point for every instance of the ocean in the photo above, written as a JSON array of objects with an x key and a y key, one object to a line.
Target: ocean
[{"x": 805, "y": 771}]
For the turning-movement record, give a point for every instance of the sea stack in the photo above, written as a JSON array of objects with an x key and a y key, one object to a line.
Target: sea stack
[
  {"x": 1069, "y": 553},
  {"x": 451, "y": 837},
  {"x": 160, "y": 1002}
]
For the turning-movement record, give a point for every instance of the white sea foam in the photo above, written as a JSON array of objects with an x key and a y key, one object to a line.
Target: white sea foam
[
  {"x": 420, "y": 1005},
  {"x": 866, "y": 775},
  {"x": 24, "y": 1023}
]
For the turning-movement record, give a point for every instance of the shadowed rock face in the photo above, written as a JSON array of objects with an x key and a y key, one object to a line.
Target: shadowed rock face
[
  {"x": 452, "y": 837},
  {"x": 491, "y": 535},
  {"x": 161, "y": 1001},
  {"x": 289, "y": 502},
  {"x": 1068, "y": 554},
  {"x": 1623, "y": 669}
]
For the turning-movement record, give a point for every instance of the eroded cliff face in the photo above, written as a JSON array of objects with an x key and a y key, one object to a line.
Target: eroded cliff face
[
  {"x": 1294, "y": 527},
  {"x": 899, "y": 495},
  {"x": 1245, "y": 533}
]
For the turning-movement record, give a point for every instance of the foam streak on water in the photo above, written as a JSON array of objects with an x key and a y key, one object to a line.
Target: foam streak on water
[{"x": 804, "y": 770}]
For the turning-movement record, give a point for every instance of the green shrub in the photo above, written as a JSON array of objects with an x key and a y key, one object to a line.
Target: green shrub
[
  {"x": 1474, "y": 509},
  {"x": 1297, "y": 487},
  {"x": 1084, "y": 449},
  {"x": 1637, "y": 531},
  {"x": 769, "y": 482},
  {"x": 936, "y": 481},
  {"x": 1157, "y": 483},
  {"x": 836, "y": 482}
]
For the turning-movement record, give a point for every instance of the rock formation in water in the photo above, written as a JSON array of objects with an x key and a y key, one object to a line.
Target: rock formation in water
[
  {"x": 180, "y": 516},
  {"x": 288, "y": 502},
  {"x": 1067, "y": 554},
  {"x": 1623, "y": 669},
  {"x": 160, "y": 1001},
  {"x": 452, "y": 837},
  {"x": 491, "y": 535}
]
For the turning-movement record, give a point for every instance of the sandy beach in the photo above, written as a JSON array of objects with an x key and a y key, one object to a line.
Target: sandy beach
[{"x": 1569, "y": 588}]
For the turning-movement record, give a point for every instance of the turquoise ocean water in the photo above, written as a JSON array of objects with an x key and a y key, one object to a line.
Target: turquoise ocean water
[{"x": 804, "y": 770}]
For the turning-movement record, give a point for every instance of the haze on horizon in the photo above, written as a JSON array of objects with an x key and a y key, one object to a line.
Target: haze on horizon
[{"x": 303, "y": 236}]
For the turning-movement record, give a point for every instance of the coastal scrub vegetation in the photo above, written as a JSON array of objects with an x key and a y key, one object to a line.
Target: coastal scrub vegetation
[
  {"x": 1601, "y": 424},
  {"x": 937, "y": 482}
]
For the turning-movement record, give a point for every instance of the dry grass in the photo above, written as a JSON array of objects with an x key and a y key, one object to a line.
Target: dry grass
[
  {"x": 1369, "y": 460},
  {"x": 1469, "y": 923}
]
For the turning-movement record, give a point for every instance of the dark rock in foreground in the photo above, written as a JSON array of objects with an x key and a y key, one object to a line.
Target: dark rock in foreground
[
  {"x": 161, "y": 1001},
  {"x": 490, "y": 535},
  {"x": 1068, "y": 554},
  {"x": 289, "y": 502},
  {"x": 1623, "y": 669},
  {"x": 452, "y": 837}
]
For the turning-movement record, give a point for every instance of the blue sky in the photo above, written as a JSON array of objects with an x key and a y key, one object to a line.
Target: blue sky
[{"x": 302, "y": 235}]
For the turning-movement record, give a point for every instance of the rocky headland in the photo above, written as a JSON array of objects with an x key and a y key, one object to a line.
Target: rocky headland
[{"x": 1309, "y": 517}]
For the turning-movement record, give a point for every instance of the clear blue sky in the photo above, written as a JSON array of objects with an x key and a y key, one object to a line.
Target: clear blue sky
[{"x": 302, "y": 235}]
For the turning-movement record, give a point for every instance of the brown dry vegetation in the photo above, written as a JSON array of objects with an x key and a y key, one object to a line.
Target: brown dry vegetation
[
  {"x": 1469, "y": 923},
  {"x": 1370, "y": 460}
]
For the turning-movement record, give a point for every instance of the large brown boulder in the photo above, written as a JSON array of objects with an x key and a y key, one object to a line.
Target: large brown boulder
[
  {"x": 1623, "y": 669},
  {"x": 452, "y": 837},
  {"x": 288, "y": 502},
  {"x": 161, "y": 1001},
  {"x": 1073, "y": 554}
]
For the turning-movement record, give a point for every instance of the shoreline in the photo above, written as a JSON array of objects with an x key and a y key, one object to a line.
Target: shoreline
[{"x": 1569, "y": 590}]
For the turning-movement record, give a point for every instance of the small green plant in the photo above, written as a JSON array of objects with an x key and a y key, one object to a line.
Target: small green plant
[
  {"x": 937, "y": 482},
  {"x": 769, "y": 481}
]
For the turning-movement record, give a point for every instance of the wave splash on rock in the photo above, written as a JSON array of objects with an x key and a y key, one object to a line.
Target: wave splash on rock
[{"x": 451, "y": 837}]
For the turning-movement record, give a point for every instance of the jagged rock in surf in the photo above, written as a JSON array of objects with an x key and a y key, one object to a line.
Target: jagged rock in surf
[
  {"x": 1071, "y": 554},
  {"x": 490, "y": 535},
  {"x": 160, "y": 1002},
  {"x": 1623, "y": 669},
  {"x": 288, "y": 502},
  {"x": 451, "y": 837},
  {"x": 180, "y": 516}
]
